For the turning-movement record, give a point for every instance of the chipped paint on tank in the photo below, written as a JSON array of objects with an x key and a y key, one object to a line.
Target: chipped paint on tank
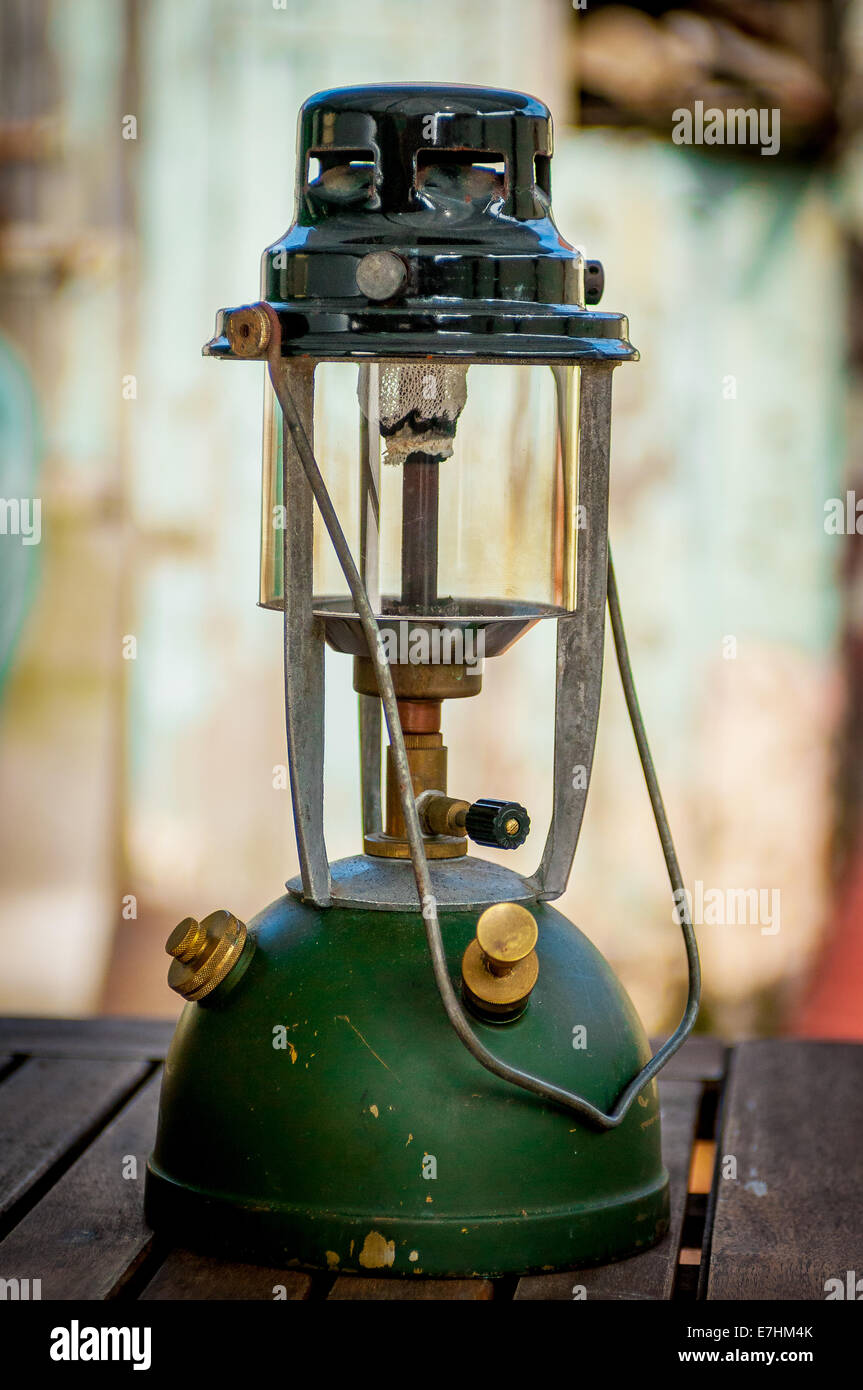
[{"x": 377, "y": 1251}]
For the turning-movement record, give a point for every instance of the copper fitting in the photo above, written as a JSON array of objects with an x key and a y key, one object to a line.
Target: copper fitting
[{"x": 420, "y": 716}]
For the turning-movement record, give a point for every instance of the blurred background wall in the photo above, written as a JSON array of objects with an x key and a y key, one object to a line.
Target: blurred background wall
[{"x": 146, "y": 158}]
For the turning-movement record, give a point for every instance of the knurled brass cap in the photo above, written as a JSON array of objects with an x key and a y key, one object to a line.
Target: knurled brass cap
[
  {"x": 204, "y": 953},
  {"x": 186, "y": 940},
  {"x": 500, "y": 967}
]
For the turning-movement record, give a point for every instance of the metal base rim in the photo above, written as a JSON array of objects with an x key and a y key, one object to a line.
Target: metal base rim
[{"x": 382, "y": 1246}]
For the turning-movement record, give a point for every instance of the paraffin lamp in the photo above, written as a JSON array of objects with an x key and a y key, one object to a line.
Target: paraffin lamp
[{"x": 411, "y": 1063}]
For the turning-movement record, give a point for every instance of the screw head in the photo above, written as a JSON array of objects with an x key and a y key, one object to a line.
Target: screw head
[{"x": 380, "y": 274}]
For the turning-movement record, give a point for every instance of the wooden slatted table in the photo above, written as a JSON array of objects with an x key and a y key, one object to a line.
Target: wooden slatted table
[{"x": 762, "y": 1141}]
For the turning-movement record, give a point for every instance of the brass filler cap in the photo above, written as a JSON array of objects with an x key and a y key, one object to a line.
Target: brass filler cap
[{"x": 204, "y": 953}]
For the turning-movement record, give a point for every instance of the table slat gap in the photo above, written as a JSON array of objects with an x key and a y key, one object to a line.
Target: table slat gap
[
  {"x": 10, "y": 1064},
  {"x": 87, "y": 1233},
  {"x": 51, "y": 1110}
]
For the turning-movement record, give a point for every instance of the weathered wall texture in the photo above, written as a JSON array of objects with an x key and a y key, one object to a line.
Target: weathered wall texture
[{"x": 154, "y": 777}]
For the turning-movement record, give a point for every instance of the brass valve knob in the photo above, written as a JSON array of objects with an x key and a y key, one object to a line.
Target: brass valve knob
[
  {"x": 500, "y": 824},
  {"x": 500, "y": 968},
  {"x": 204, "y": 953}
]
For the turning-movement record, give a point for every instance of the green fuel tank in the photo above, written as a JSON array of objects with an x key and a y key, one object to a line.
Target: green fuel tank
[{"x": 322, "y": 1112}]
